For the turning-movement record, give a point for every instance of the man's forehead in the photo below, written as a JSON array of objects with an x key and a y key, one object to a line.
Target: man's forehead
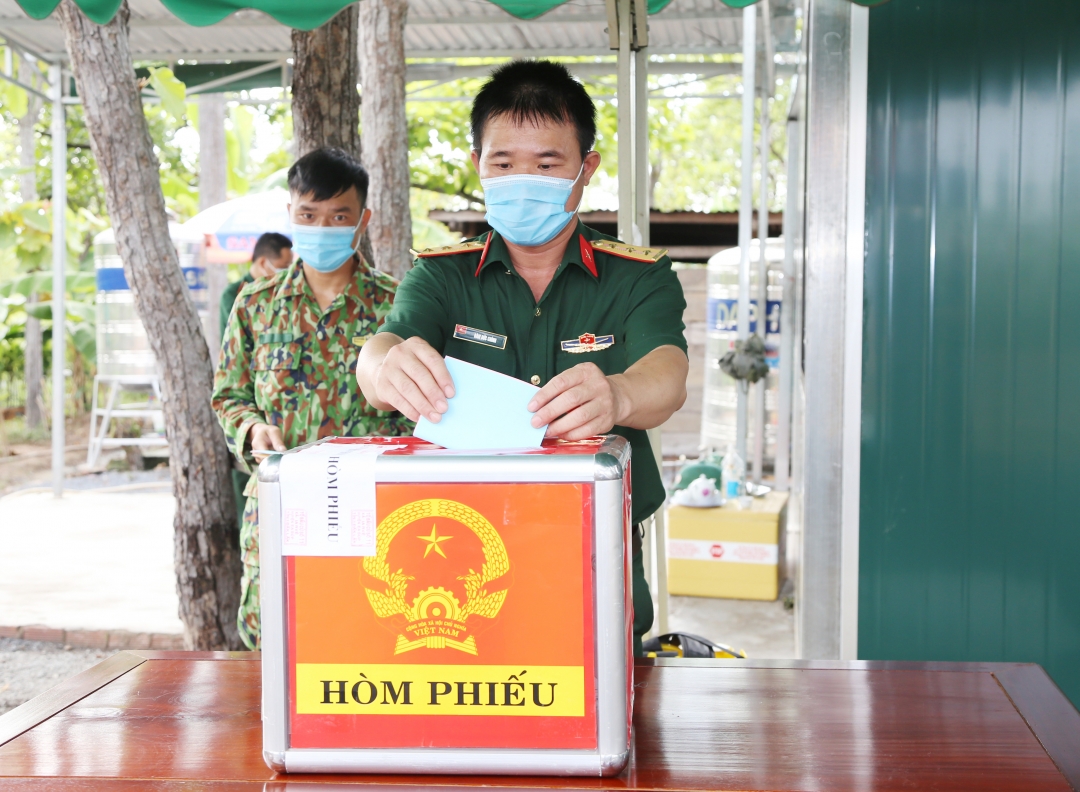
[
  {"x": 344, "y": 200},
  {"x": 540, "y": 137}
]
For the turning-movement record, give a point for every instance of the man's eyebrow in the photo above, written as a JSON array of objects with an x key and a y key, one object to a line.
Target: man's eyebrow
[{"x": 334, "y": 209}]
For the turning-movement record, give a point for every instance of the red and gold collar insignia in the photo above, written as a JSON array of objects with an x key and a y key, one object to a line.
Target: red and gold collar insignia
[
  {"x": 587, "y": 257},
  {"x": 483, "y": 256}
]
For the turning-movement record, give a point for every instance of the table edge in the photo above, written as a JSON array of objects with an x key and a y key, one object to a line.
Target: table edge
[
  {"x": 829, "y": 665},
  {"x": 56, "y": 699},
  {"x": 1052, "y": 718}
]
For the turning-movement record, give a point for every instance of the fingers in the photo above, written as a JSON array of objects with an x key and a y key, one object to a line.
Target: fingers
[
  {"x": 558, "y": 384},
  {"x": 577, "y": 425},
  {"x": 265, "y": 437},
  {"x": 576, "y": 386},
  {"x": 277, "y": 442},
  {"x": 414, "y": 379},
  {"x": 562, "y": 404},
  {"x": 435, "y": 364}
]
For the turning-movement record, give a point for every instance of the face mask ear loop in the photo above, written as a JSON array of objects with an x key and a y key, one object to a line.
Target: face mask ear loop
[
  {"x": 359, "y": 239},
  {"x": 582, "y": 198}
]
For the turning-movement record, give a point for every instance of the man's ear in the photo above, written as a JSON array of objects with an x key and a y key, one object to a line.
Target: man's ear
[
  {"x": 592, "y": 163},
  {"x": 365, "y": 218},
  {"x": 474, "y": 155}
]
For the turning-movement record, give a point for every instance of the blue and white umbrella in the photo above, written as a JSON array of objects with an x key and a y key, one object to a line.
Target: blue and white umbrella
[{"x": 237, "y": 224}]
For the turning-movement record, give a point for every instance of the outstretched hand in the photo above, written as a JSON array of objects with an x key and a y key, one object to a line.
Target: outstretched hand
[
  {"x": 413, "y": 379},
  {"x": 578, "y": 403}
]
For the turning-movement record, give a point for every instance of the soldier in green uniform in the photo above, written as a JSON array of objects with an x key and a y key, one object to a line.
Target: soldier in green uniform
[
  {"x": 596, "y": 323},
  {"x": 286, "y": 373},
  {"x": 272, "y": 254}
]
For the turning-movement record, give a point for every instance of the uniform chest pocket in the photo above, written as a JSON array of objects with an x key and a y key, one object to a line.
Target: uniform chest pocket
[{"x": 277, "y": 357}]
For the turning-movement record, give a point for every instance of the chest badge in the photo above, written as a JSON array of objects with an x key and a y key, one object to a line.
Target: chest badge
[
  {"x": 484, "y": 337},
  {"x": 588, "y": 342}
]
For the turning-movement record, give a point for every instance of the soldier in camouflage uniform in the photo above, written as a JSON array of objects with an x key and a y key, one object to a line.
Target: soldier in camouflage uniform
[{"x": 286, "y": 375}]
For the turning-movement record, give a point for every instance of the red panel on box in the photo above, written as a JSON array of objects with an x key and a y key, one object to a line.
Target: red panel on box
[{"x": 471, "y": 628}]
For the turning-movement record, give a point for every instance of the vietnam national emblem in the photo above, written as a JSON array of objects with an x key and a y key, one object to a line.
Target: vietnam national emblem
[{"x": 426, "y": 581}]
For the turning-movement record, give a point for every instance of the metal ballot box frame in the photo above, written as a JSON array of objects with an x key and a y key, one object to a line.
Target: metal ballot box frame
[{"x": 392, "y": 662}]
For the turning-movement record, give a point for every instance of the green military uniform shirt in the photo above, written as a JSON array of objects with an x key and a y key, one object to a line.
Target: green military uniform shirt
[
  {"x": 608, "y": 304},
  {"x": 287, "y": 362},
  {"x": 228, "y": 299}
]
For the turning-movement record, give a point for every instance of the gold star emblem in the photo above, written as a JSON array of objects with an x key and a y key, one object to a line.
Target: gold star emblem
[{"x": 433, "y": 542}]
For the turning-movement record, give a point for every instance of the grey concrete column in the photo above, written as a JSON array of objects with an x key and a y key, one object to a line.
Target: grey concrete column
[{"x": 213, "y": 176}]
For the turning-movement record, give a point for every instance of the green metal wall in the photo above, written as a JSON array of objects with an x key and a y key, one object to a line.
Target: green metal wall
[{"x": 970, "y": 497}]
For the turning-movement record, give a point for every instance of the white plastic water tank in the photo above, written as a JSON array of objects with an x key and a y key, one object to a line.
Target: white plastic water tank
[
  {"x": 122, "y": 345},
  {"x": 719, "y": 403}
]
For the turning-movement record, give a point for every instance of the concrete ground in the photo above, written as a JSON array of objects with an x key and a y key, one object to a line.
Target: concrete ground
[
  {"x": 94, "y": 560},
  {"x": 29, "y": 668},
  {"x": 764, "y": 630}
]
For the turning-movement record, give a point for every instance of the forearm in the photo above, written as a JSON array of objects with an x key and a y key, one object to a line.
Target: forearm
[
  {"x": 651, "y": 390},
  {"x": 372, "y": 355}
]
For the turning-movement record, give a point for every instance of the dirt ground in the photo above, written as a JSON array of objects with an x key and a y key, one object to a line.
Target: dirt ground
[{"x": 26, "y": 461}]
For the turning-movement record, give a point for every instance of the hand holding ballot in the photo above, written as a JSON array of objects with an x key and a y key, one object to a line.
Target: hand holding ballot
[{"x": 411, "y": 378}]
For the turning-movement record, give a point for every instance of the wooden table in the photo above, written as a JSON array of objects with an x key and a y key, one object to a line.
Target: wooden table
[{"x": 179, "y": 721}]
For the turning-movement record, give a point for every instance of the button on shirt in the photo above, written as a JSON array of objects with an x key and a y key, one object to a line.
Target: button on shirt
[{"x": 638, "y": 304}]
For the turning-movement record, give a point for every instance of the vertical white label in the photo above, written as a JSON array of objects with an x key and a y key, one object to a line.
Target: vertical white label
[{"x": 328, "y": 500}]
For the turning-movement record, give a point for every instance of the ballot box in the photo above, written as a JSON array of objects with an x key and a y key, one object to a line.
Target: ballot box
[{"x": 432, "y": 611}]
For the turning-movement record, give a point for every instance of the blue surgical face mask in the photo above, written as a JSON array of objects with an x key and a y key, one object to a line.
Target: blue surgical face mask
[
  {"x": 324, "y": 248},
  {"x": 528, "y": 210}
]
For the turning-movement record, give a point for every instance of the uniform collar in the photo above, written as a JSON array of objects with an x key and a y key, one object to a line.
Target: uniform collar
[
  {"x": 294, "y": 284},
  {"x": 578, "y": 251}
]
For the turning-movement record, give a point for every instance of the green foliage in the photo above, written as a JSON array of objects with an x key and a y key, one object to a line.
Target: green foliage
[
  {"x": 13, "y": 99},
  {"x": 170, "y": 90},
  {"x": 26, "y": 235},
  {"x": 80, "y": 310},
  {"x": 439, "y": 146}
]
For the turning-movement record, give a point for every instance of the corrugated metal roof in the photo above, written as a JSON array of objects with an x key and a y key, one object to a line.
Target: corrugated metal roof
[{"x": 436, "y": 29}]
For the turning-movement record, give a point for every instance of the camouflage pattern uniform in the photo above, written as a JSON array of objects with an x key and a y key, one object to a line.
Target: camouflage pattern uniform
[{"x": 286, "y": 362}]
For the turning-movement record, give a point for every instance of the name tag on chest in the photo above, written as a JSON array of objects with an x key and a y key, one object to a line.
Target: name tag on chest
[{"x": 483, "y": 337}]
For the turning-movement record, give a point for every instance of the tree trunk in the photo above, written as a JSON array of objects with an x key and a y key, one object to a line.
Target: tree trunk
[
  {"x": 33, "y": 352},
  {"x": 207, "y": 557},
  {"x": 386, "y": 131},
  {"x": 325, "y": 102},
  {"x": 213, "y": 176}
]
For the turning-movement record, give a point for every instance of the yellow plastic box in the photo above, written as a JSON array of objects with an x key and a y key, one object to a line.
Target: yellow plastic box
[{"x": 728, "y": 551}]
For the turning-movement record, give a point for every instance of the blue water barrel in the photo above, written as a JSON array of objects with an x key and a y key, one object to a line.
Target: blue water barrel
[
  {"x": 722, "y": 317},
  {"x": 122, "y": 345}
]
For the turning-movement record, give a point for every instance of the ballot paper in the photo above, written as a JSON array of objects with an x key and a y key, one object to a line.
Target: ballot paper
[
  {"x": 328, "y": 500},
  {"x": 489, "y": 411}
]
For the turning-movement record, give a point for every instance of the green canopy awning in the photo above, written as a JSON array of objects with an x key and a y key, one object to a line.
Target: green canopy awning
[{"x": 302, "y": 15}]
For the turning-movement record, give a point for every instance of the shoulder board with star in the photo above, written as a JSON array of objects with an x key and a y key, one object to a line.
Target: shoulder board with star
[
  {"x": 648, "y": 255},
  {"x": 469, "y": 246}
]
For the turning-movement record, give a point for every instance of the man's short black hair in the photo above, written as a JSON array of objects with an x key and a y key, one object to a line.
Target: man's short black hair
[
  {"x": 326, "y": 172},
  {"x": 270, "y": 245},
  {"x": 535, "y": 91}
]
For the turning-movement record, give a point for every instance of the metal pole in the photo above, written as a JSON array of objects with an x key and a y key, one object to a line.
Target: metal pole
[
  {"x": 760, "y": 416},
  {"x": 625, "y": 124},
  {"x": 746, "y": 205},
  {"x": 59, "y": 246},
  {"x": 641, "y": 147},
  {"x": 787, "y": 310}
]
